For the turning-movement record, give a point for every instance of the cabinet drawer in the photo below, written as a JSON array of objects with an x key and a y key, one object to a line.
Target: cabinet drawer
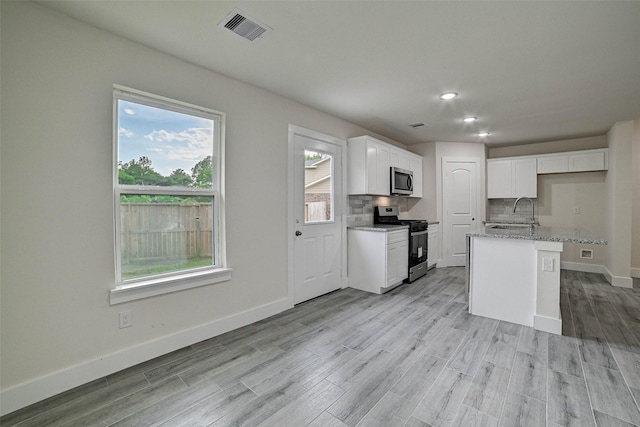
[{"x": 397, "y": 236}]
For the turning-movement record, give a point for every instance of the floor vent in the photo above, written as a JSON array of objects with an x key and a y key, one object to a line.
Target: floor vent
[{"x": 245, "y": 26}]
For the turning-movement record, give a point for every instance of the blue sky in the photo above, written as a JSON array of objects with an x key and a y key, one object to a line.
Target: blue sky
[{"x": 171, "y": 140}]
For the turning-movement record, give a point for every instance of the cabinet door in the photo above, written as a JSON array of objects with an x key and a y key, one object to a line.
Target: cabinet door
[
  {"x": 553, "y": 164},
  {"x": 397, "y": 262},
  {"x": 525, "y": 178},
  {"x": 416, "y": 168},
  {"x": 399, "y": 158},
  {"x": 594, "y": 161},
  {"x": 432, "y": 250},
  {"x": 403, "y": 260},
  {"x": 499, "y": 179},
  {"x": 378, "y": 171}
]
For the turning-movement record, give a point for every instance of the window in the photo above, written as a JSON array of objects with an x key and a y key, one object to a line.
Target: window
[
  {"x": 318, "y": 187},
  {"x": 168, "y": 171}
]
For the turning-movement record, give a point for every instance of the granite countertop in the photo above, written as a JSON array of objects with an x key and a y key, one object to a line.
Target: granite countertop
[
  {"x": 379, "y": 227},
  {"x": 548, "y": 234}
]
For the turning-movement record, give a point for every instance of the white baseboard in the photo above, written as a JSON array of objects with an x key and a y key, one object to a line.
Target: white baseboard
[
  {"x": 581, "y": 266},
  {"x": 27, "y": 393},
  {"x": 635, "y": 272},
  {"x": 619, "y": 281},
  {"x": 547, "y": 324}
]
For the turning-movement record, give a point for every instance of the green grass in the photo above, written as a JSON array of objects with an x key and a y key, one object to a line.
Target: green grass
[{"x": 136, "y": 270}]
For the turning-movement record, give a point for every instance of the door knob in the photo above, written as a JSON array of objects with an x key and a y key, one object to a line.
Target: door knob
[{"x": 298, "y": 233}]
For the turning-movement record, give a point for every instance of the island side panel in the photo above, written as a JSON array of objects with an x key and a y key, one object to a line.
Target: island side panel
[
  {"x": 548, "y": 317},
  {"x": 503, "y": 279}
]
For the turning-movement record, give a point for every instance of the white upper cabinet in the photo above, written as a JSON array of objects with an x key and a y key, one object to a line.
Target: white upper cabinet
[
  {"x": 574, "y": 161},
  {"x": 553, "y": 164},
  {"x": 400, "y": 159},
  {"x": 588, "y": 161},
  {"x": 511, "y": 178},
  {"x": 415, "y": 165},
  {"x": 369, "y": 166}
]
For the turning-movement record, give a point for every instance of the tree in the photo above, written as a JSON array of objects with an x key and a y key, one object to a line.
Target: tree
[
  {"x": 202, "y": 173},
  {"x": 180, "y": 178},
  {"x": 139, "y": 173}
]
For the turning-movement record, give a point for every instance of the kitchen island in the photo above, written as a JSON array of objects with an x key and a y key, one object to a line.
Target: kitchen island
[{"x": 513, "y": 273}]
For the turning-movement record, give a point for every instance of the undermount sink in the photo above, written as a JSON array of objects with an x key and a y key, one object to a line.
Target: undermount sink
[{"x": 508, "y": 226}]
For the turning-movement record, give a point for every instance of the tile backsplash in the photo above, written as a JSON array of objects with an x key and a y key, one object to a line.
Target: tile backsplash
[
  {"x": 360, "y": 209},
  {"x": 502, "y": 210}
]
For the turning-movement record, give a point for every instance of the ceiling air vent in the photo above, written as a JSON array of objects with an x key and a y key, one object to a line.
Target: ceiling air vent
[{"x": 244, "y": 25}]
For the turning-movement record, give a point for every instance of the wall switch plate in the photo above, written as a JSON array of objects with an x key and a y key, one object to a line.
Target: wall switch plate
[
  {"x": 125, "y": 319},
  {"x": 547, "y": 264},
  {"x": 576, "y": 209}
]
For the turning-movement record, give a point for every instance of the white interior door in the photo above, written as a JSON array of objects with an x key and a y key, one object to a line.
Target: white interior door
[
  {"x": 317, "y": 231},
  {"x": 459, "y": 202}
]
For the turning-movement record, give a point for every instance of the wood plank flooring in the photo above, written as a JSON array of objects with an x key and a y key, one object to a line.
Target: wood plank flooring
[{"x": 411, "y": 357}]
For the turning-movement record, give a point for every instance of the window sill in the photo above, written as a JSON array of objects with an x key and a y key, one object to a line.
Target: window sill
[{"x": 154, "y": 287}]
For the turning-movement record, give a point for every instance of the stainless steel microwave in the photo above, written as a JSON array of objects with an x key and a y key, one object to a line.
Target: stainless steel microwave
[{"x": 401, "y": 181}]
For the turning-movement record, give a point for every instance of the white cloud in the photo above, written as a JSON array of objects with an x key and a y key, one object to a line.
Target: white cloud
[
  {"x": 125, "y": 132},
  {"x": 129, "y": 111},
  {"x": 190, "y": 144}
]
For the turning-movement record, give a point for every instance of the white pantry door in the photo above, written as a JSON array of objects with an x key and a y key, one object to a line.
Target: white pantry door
[
  {"x": 318, "y": 205},
  {"x": 459, "y": 200}
]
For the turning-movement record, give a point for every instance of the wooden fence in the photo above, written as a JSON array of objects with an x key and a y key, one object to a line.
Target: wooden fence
[{"x": 157, "y": 231}]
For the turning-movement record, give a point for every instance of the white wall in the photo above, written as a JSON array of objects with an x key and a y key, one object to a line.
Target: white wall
[
  {"x": 618, "y": 204},
  {"x": 635, "y": 226},
  {"x": 58, "y": 329}
]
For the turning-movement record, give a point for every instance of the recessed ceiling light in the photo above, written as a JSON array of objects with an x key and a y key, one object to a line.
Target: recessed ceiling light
[
  {"x": 448, "y": 95},
  {"x": 469, "y": 119},
  {"x": 483, "y": 134}
]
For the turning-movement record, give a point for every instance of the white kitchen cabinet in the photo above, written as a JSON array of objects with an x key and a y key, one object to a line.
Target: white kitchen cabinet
[
  {"x": 368, "y": 166},
  {"x": 399, "y": 158},
  {"x": 369, "y": 160},
  {"x": 378, "y": 260},
  {"x": 574, "y": 161},
  {"x": 511, "y": 178},
  {"x": 591, "y": 160},
  {"x": 415, "y": 165},
  {"x": 432, "y": 245},
  {"x": 553, "y": 164}
]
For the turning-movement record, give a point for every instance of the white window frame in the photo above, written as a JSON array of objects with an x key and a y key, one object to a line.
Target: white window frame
[{"x": 133, "y": 289}]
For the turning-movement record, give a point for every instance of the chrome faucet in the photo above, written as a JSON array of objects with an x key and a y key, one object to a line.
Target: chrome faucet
[{"x": 533, "y": 218}]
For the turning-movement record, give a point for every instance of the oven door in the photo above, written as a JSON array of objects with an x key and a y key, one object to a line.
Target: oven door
[{"x": 417, "y": 247}]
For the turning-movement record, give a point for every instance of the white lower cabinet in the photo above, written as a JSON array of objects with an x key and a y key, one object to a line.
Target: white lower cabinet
[
  {"x": 378, "y": 260},
  {"x": 432, "y": 246}
]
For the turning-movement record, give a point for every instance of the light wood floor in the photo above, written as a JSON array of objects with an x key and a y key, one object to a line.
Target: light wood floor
[{"x": 412, "y": 357}]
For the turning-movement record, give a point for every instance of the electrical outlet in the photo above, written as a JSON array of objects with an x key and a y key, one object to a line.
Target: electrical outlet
[
  {"x": 547, "y": 264},
  {"x": 576, "y": 209},
  {"x": 125, "y": 319}
]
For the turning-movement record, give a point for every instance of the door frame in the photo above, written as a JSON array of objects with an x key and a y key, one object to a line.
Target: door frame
[
  {"x": 480, "y": 196},
  {"x": 291, "y": 226}
]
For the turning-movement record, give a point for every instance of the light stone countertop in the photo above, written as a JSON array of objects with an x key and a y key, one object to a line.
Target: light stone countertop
[
  {"x": 548, "y": 234},
  {"x": 379, "y": 227}
]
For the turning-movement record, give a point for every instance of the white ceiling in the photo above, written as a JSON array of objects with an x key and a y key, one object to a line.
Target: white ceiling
[{"x": 530, "y": 71}]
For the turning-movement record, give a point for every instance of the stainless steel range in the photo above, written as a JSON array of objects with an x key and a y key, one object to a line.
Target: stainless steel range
[{"x": 418, "y": 238}]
